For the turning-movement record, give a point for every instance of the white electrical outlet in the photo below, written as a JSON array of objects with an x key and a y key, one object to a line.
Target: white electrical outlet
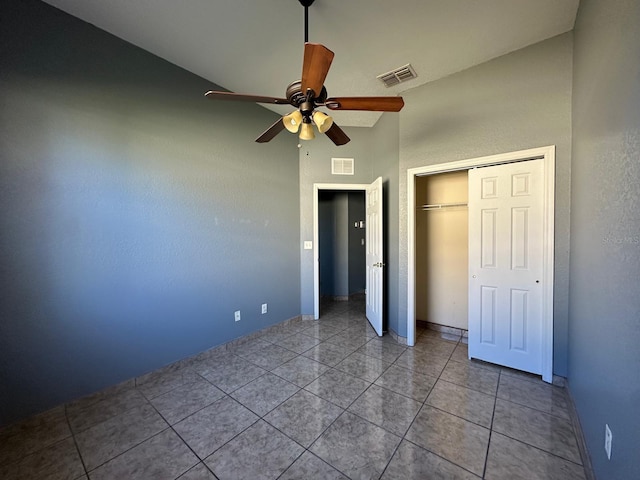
[
  {"x": 236, "y": 315},
  {"x": 264, "y": 308},
  {"x": 608, "y": 439}
]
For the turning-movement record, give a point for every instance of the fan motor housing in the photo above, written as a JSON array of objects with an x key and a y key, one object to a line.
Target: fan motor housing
[{"x": 296, "y": 97}]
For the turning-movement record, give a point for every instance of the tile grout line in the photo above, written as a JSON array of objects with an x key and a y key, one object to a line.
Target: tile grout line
[
  {"x": 558, "y": 417},
  {"x": 527, "y": 443},
  {"x": 200, "y": 460},
  {"x": 539, "y": 449},
  {"x": 128, "y": 449},
  {"x": 425, "y": 403},
  {"x": 493, "y": 416},
  {"x": 344, "y": 410},
  {"x": 75, "y": 442},
  {"x": 484, "y": 467},
  {"x": 440, "y": 456}
]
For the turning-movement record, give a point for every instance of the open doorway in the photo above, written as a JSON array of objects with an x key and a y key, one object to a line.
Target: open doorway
[
  {"x": 341, "y": 245},
  {"x": 326, "y": 191},
  {"x": 374, "y": 248}
]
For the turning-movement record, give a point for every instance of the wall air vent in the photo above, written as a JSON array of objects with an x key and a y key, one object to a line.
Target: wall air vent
[
  {"x": 398, "y": 75},
  {"x": 342, "y": 166}
]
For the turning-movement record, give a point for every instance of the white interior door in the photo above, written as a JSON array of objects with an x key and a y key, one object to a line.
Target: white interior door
[
  {"x": 374, "y": 260},
  {"x": 506, "y": 264}
]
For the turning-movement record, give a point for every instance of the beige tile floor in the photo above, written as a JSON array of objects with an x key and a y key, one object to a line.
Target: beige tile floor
[{"x": 309, "y": 400}]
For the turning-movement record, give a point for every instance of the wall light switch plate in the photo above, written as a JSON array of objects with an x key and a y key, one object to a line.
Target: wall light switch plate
[
  {"x": 308, "y": 245},
  {"x": 236, "y": 315},
  {"x": 264, "y": 308}
]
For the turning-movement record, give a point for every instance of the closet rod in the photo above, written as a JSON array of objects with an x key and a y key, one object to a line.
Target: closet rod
[{"x": 437, "y": 206}]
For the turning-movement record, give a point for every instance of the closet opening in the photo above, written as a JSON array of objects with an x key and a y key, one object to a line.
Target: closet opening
[
  {"x": 510, "y": 257},
  {"x": 442, "y": 245}
]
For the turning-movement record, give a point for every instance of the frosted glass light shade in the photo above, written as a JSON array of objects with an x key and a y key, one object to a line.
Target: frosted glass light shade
[
  {"x": 306, "y": 133},
  {"x": 322, "y": 121},
  {"x": 292, "y": 121}
]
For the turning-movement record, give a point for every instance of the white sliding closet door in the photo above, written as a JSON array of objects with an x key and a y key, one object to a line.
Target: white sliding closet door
[{"x": 506, "y": 264}]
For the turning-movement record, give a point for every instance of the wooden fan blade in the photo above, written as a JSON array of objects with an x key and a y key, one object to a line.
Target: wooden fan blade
[
  {"x": 271, "y": 132},
  {"x": 337, "y": 135},
  {"x": 317, "y": 60},
  {"x": 373, "y": 104},
  {"x": 245, "y": 98}
]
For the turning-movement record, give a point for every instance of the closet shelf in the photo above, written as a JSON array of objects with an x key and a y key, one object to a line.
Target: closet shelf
[{"x": 438, "y": 206}]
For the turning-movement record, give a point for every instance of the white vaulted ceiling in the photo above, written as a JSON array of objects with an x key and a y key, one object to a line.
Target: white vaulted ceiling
[{"x": 255, "y": 46}]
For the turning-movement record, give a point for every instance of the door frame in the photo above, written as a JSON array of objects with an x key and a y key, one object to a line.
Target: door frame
[
  {"x": 355, "y": 187},
  {"x": 548, "y": 155}
]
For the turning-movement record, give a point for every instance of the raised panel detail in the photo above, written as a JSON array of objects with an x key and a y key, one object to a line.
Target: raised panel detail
[
  {"x": 518, "y": 320},
  {"x": 489, "y": 188},
  {"x": 489, "y": 237},
  {"x": 521, "y": 184},
  {"x": 520, "y": 238},
  {"x": 372, "y": 292},
  {"x": 488, "y": 315}
]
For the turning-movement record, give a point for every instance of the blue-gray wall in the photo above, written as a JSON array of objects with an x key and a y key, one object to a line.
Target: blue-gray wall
[
  {"x": 385, "y": 148},
  {"x": 333, "y": 243},
  {"x": 604, "y": 335},
  {"x": 326, "y": 241},
  {"x": 341, "y": 253},
  {"x": 136, "y": 214},
  {"x": 357, "y": 253}
]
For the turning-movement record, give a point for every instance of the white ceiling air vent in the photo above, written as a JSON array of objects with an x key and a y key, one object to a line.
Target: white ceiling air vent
[
  {"x": 342, "y": 166},
  {"x": 398, "y": 75}
]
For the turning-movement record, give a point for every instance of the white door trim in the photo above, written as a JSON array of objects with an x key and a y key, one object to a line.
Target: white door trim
[
  {"x": 548, "y": 154},
  {"x": 316, "y": 251}
]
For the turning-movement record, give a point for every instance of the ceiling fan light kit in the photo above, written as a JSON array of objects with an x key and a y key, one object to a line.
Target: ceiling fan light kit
[
  {"x": 306, "y": 131},
  {"x": 292, "y": 121},
  {"x": 322, "y": 121},
  {"x": 309, "y": 93}
]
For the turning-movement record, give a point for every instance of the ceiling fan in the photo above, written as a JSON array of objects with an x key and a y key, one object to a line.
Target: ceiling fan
[{"x": 309, "y": 93}]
